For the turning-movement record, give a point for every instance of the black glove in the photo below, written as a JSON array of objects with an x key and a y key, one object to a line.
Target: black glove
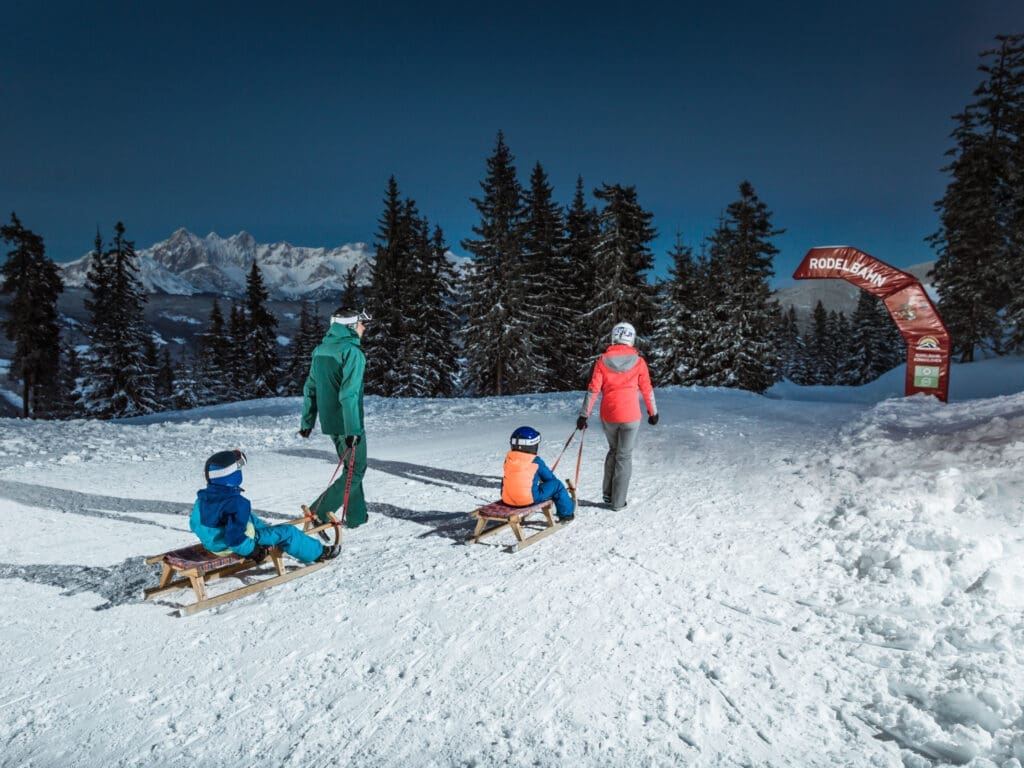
[
  {"x": 306, "y": 432},
  {"x": 652, "y": 419},
  {"x": 259, "y": 553},
  {"x": 581, "y": 423},
  {"x": 351, "y": 440}
]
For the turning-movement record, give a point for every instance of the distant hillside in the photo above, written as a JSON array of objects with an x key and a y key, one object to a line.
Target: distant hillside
[{"x": 838, "y": 295}]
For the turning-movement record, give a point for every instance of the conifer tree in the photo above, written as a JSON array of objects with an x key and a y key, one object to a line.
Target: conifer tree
[
  {"x": 211, "y": 368},
  {"x": 34, "y": 284},
  {"x": 581, "y": 231},
  {"x": 239, "y": 365},
  {"x": 261, "y": 338},
  {"x": 790, "y": 346},
  {"x": 872, "y": 352},
  {"x": 350, "y": 293},
  {"x": 436, "y": 368},
  {"x": 308, "y": 335},
  {"x": 119, "y": 378},
  {"x": 185, "y": 393},
  {"x": 67, "y": 384},
  {"x": 742, "y": 354},
  {"x": 977, "y": 258},
  {"x": 817, "y": 346},
  {"x": 546, "y": 272},
  {"x": 164, "y": 382},
  {"x": 622, "y": 258},
  {"x": 388, "y": 292},
  {"x": 676, "y": 331},
  {"x": 499, "y": 346}
]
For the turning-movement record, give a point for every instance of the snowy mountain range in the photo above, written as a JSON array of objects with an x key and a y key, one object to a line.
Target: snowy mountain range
[{"x": 186, "y": 264}]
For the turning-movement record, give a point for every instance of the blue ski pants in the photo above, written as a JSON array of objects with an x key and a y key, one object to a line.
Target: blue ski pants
[
  {"x": 289, "y": 538},
  {"x": 554, "y": 489}
]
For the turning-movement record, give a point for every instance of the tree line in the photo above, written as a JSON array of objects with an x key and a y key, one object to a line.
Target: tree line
[{"x": 532, "y": 309}]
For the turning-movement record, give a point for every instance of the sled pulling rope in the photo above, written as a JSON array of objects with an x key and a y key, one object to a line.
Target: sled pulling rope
[
  {"x": 195, "y": 566},
  {"x": 310, "y": 515}
]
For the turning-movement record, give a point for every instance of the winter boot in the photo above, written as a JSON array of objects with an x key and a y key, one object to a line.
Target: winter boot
[{"x": 329, "y": 553}]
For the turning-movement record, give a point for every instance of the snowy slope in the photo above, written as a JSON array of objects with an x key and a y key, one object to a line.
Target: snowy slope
[{"x": 794, "y": 582}]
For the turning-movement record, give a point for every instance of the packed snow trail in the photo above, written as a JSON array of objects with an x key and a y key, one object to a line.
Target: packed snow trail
[{"x": 772, "y": 595}]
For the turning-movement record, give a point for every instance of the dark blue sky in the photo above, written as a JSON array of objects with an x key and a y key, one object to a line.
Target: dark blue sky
[{"x": 287, "y": 119}]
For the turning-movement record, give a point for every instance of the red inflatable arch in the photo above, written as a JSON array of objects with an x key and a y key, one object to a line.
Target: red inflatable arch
[{"x": 908, "y": 304}]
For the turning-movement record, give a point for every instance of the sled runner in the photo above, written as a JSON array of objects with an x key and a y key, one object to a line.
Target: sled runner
[
  {"x": 195, "y": 566},
  {"x": 516, "y": 518}
]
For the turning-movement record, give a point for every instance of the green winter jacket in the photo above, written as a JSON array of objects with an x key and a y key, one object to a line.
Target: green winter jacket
[{"x": 334, "y": 387}]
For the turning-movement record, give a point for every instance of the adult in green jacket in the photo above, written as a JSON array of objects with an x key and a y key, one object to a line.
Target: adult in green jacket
[{"x": 334, "y": 390}]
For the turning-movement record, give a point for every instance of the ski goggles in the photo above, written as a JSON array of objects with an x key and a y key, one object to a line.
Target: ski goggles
[
  {"x": 359, "y": 317},
  {"x": 238, "y": 463}
]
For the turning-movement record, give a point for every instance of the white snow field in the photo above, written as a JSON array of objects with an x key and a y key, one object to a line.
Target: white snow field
[{"x": 819, "y": 577}]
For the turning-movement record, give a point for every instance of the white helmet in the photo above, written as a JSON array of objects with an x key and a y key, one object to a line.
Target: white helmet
[{"x": 624, "y": 333}]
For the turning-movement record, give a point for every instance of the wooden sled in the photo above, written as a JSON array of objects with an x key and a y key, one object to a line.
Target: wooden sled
[
  {"x": 516, "y": 518},
  {"x": 195, "y": 566}
]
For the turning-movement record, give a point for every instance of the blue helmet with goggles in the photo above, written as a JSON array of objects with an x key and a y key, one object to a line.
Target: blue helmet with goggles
[
  {"x": 225, "y": 468},
  {"x": 526, "y": 439}
]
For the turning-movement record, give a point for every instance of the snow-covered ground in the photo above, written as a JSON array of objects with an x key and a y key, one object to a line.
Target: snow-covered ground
[{"x": 817, "y": 577}]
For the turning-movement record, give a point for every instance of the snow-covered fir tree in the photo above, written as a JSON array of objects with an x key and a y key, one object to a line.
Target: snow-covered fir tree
[
  {"x": 118, "y": 379},
  {"x": 34, "y": 284},
  {"x": 546, "y": 272},
  {"x": 622, "y": 258},
  {"x": 676, "y": 331},
  {"x": 307, "y": 336},
  {"x": 388, "y": 295},
  {"x": 581, "y": 231},
  {"x": 979, "y": 259},
  {"x": 743, "y": 352},
  {"x": 432, "y": 357},
  {"x": 351, "y": 294},
  {"x": 237, "y": 371},
  {"x": 163, "y": 385},
  {"x": 819, "y": 362},
  {"x": 872, "y": 351},
  {"x": 499, "y": 345},
  {"x": 261, "y": 335},
  {"x": 185, "y": 390},
  {"x": 211, "y": 369},
  {"x": 68, "y": 406},
  {"x": 790, "y": 346}
]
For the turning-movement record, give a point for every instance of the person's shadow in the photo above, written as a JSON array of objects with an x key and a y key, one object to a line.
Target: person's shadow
[{"x": 455, "y": 525}]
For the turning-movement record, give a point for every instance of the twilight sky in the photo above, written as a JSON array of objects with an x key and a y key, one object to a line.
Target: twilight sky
[{"x": 286, "y": 120}]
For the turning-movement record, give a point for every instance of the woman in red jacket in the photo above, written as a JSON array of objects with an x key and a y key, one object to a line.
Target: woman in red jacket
[{"x": 618, "y": 375}]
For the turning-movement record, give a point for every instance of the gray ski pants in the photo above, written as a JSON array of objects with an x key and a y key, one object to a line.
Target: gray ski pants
[{"x": 618, "y": 464}]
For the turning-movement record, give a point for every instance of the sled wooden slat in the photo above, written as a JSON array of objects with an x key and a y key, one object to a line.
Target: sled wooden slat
[
  {"x": 497, "y": 516},
  {"x": 249, "y": 589},
  {"x": 195, "y": 567}
]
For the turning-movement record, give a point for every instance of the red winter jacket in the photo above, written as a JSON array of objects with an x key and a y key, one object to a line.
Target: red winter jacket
[{"x": 618, "y": 374}]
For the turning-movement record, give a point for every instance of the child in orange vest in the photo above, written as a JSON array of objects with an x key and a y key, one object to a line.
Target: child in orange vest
[{"x": 528, "y": 480}]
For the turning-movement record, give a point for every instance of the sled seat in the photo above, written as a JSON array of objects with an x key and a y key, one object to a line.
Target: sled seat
[
  {"x": 198, "y": 557},
  {"x": 516, "y": 518},
  {"x": 194, "y": 566}
]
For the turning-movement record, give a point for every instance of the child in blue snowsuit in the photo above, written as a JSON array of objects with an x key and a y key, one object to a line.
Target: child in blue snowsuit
[
  {"x": 223, "y": 520},
  {"x": 527, "y": 479}
]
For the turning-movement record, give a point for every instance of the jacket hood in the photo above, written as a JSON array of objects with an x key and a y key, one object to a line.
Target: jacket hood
[
  {"x": 338, "y": 332},
  {"x": 620, "y": 357}
]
